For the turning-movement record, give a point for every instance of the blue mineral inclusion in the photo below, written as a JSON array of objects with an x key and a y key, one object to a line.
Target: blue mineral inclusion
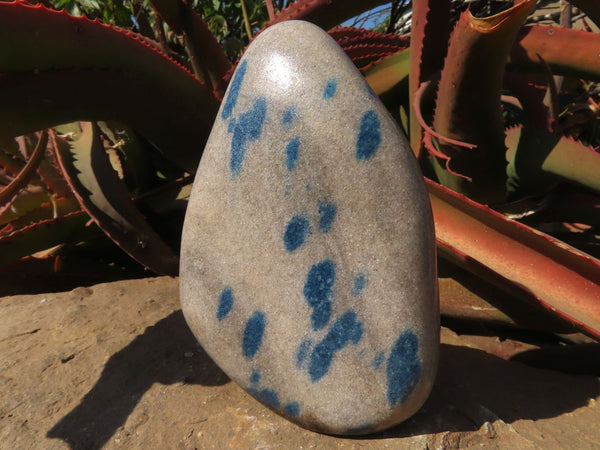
[
  {"x": 247, "y": 128},
  {"x": 318, "y": 291},
  {"x": 289, "y": 115},
  {"x": 292, "y": 409},
  {"x": 327, "y": 212},
  {"x": 403, "y": 368},
  {"x": 267, "y": 396},
  {"x": 291, "y": 153},
  {"x": 225, "y": 303},
  {"x": 360, "y": 281},
  {"x": 234, "y": 91},
  {"x": 255, "y": 377},
  {"x": 253, "y": 334},
  {"x": 346, "y": 329},
  {"x": 378, "y": 360},
  {"x": 302, "y": 352},
  {"x": 296, "y": 232},
  {"x": 330, "y": 88},
  {"x": 369, "y": 136}
]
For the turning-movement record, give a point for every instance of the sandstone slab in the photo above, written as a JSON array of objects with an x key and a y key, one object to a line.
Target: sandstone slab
[{"x": 308, "y": 256}]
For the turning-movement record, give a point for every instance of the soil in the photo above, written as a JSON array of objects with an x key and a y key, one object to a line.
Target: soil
[{"x": 115, "y": 366}]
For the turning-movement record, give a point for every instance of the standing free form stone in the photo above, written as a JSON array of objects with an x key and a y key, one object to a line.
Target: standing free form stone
[{"x": 308, "y": 266}]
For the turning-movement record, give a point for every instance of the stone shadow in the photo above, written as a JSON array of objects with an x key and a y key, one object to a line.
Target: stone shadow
[
  {"x": 165, "y": 353},
  {"x": 473, "y": 387}
]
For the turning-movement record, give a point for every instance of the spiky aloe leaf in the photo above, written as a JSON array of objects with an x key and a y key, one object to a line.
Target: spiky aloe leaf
[
  {"x": 526, "y": 263},
  {"x": 208, "y": 59},
  {"x": 45, "y": 54},
  {"x": 385, "y": 75},
  {"x": 41, "y": 236},
  {"x": 468, "y": 103},
  {"x": 325, "y": 13},
  {"x": 108, "y": 202},
  {"x": 428, "y": 45},
  {"x": 567, "y": 51},
  {"x": 9, "y": 193},
  {"x": 538, "y": 158}
]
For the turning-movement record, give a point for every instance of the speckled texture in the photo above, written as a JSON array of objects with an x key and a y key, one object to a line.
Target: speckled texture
[{"x": 308, "y": 255}]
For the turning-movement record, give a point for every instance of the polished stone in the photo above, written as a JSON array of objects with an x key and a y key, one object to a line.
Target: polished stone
[{"x": 308, "y": 256}]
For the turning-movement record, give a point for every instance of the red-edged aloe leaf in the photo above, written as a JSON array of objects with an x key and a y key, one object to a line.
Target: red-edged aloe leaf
[
  {"x": 9, "y": 193},
  {"x": 529, "y": 264},
  {"x": 325, "y": 13},
  {"x": 208, "y": 59},
  {"x": 46, "y": 54},
  {"x": 465, "y": 298},
  {"x": 385, "y": 75},
  {"x": 41, "y": 236},
  {"x": 428, "y": 45},
  {"x": 108, "y": 202},
  {"x": 538, "y": 159},
  {"x": 468, "y": 102},
  {"x": 32, "y": 207},
  {"x": 567, "y": 51},
  {"x": 48, "y": 171}
]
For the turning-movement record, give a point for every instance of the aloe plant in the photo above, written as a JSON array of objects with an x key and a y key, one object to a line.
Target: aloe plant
[{"x": 105, "y": 126}]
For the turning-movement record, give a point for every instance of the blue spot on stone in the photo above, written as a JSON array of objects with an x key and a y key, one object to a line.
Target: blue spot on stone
[
  {"x": 296, "y": 232},
  {"x": 369, "y": 136},
  {"x": 225, "y": 303},
  {"x": 234, "y": 90},
  {"x": 253, "y": 334},
  {"x": 247, "y": 128},
  {"x": 255, "y": 377},
  {"x": 289, "y": 115},
  {"x": 291, "y": 153},
  {"x": 345, "y": 329},
  {"x": 327, "y": 212},
  {"x": 302, "y": 352},
  {"x": 267, "y": 396},
  {"x": 403, "y": 368},
  {"x": 378, "y": 360},
  {"x": 292, "y": 409},
  {"x": 330, "y": 88},
  {"x": 231, "y": 126},
  {"x": 318, "y": 290},
  {"x": 360, "y": 281}
]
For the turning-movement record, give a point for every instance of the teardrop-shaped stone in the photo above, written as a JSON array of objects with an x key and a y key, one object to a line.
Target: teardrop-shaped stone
[{"x": 308, "y": 267}]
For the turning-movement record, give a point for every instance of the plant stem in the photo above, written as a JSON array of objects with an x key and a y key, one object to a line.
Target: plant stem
[{"x": 246, "y": 20}]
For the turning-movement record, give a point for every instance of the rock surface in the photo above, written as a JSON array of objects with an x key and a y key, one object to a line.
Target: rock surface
[
  {"x": 308, "y": 255},
  {"x": 115, "y": 366}
]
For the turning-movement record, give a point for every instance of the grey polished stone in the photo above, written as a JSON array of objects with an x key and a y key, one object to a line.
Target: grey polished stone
[{"x": 308, "y": 266}]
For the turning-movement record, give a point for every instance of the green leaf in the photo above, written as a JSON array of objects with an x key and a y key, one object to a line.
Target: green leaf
[{"x": 108, "y": 202}]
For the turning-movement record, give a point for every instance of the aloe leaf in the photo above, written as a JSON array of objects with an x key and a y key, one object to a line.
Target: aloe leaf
[
  {"x": 567, "y": 51},
  {"x": 9, "y": 193},
  {"x": 46, "y": 54},
  {"x": 209, "y": 60},
  {"x": 538, "y": 158},
  {"x": 31, "y": 207},
  {"x": 468, "y": 102},
  {"x": 386, "y": 75},
  {"x": 528, "y": 264},
  {"x": 428, "y": 45},
  {"x": 41, "y": 236},
  {"x": 105, "y": 198},
  {"x": 325, "y": 13}
]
